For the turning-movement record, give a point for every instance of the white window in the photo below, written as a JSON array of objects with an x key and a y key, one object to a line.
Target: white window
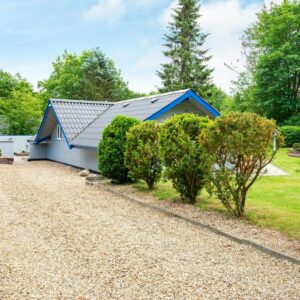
[{"x": 59, "y": 136}]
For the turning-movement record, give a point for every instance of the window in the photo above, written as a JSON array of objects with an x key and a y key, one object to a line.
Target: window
[{"x": 58, "y": 132}]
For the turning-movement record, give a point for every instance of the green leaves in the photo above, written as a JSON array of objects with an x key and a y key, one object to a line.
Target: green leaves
[
  {"x": 240, "y": 145},
  {"x": 20, "y": 107},
  {"x": 272, "y": 45},
  {"x": 112, "y": 148},
  {"x": 142, "y": 156},
  {"x": 188, "y": 67},
  {"x": 91, "y": 76},
  {"x": 184, "y": 157}
]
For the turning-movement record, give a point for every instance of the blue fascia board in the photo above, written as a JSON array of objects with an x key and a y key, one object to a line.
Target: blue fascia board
[{"x": 189, "y": 94}]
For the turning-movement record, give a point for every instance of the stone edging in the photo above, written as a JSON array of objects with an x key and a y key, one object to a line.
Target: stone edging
[{"x": 256, "y": 246}]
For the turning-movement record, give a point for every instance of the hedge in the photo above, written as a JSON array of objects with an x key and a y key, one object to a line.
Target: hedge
[{"x": 291, "y": 135}]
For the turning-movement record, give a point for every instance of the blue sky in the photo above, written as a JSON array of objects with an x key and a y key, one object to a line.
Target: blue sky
[{"x": 34, "y": 32}]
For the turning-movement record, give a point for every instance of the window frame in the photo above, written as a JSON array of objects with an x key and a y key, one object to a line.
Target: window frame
[{"x": 58, "y": 133}]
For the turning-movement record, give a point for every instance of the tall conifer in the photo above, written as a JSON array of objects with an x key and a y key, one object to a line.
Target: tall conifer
[{"x": 187, "y": 67}]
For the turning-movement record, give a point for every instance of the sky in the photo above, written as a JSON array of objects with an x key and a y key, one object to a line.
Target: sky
[{"x": 34, "y": 32}]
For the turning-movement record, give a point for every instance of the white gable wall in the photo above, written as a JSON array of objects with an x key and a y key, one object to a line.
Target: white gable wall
[{"x": 187, "y": 106}]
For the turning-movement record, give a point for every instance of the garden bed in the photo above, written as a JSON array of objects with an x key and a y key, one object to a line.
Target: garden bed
[
  {"x": 293, "y": 153},
  {"x": 6, "y": 161}
]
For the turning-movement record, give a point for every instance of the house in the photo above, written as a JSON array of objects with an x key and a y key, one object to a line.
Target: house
[{"x": 71, "y": 129}]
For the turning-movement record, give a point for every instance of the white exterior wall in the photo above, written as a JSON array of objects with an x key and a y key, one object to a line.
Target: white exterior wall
[
  {"x": 186, "y": 106},
  {"x": 58, "y": 150},
  {"x": 7, "y": 148}
]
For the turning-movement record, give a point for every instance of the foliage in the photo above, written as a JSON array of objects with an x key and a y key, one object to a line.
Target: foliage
[
  {"x": 184, "y": 47},
  {"x": 272, "y": 50},
  {"x": 90, "y": 75},
  {"x": 142, "y": 156},
  {"x": 112, "y": 148},
  {"x": 20, "y": 108},
  {"x": 184, "y": 158},
  {"x": 293, "y": 120},
  {"x": 272, "y": 202},
  {"x": 216, "y": 97},
  {"x": 296, "y": 146},
  {"x": 240, "y": 145},
  {"x": 0, "y": 152},
  {"x": 291, "y": 135}
]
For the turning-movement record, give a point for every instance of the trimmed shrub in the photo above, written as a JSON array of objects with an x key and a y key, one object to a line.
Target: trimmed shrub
[
  {"x": 142, "y": 156},
  {"x": 296, "y": 147},
  {"x": 291, "y": 135},
  {"x": 240, "y": 146},
  {"x": 0, "y": 152},
  {"x": 184, "y": 158},
  {"x": 112, "y": 148}
]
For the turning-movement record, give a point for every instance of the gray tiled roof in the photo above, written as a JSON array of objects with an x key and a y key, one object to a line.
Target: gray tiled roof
[
  {"x": 140, "y": 108},
  {"x": 76, "y": 115}
]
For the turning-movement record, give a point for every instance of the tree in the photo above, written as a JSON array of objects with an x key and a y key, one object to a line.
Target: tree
[
  {"x": 91, "y": 76},
  {"x": 184, "y": 158},
  {"x": 7, "y": 83},
  {"x": 272, "y": 48},
  {"x": 20, "y": 107},
  {"x": 112, "y": 148},
  {"x": 188, "y": 60},
  {"x": 142, "y": 156},
  {"x": 240, "y": 145}
]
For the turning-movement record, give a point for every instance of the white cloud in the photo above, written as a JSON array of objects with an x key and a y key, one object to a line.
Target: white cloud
[
  {"x": 105, "y": 10},
  {"x": 166, "y": 15},
  {"x": 226, "y": 21}
]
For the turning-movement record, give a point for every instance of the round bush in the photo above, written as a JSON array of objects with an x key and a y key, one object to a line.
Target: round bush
[
  {"x": 112, "y": 148},
  {"x": 240, "y": 145},
  {"x": 142, "y": 156},
  {"x": 184, "y": 157}
]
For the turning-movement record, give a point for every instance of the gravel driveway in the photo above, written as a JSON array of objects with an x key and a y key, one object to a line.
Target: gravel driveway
[{"x": 62, "y": 240}]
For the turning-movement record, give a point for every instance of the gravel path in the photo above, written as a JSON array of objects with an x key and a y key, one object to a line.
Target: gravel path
[{"x": 63, "y": 240}]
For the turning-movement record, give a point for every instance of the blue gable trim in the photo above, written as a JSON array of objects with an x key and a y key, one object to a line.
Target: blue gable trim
[
  {"x": 61, "y": 127},
  {"x": 188, "y": 94},
  {"x": 49, "y": 107}
]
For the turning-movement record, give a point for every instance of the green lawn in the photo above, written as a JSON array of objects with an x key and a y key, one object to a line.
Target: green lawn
[{"x": 272, "y": 202}]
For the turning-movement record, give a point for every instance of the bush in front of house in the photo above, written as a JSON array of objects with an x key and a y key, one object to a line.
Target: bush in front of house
[
  {"x": 240, "y": 145},
  {"x": 184, "y": 158},
  {"x": 0, "y": 152},
  {"x": 112, "y": 148},
  {"x": 291, "y": 135},
  {"x": 142, "y": 156}
]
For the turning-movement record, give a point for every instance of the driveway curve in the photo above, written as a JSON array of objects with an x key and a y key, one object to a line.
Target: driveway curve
[{"x": 60, "y": 239}]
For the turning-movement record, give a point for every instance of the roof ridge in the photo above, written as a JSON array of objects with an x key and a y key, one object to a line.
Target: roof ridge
[
  {"x": 83, "y": 101},
  {"x": 153, "y": 96}
]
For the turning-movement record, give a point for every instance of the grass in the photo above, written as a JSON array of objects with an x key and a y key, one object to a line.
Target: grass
[{"x": 273, "y": 202}]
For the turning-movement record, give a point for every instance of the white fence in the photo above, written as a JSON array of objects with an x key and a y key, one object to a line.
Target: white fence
[
  {"x": 9, "y": 144},
  {"x": 7, "y": 148}
]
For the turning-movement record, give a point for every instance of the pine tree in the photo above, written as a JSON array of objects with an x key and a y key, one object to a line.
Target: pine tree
[{"x": 188, "y": 61}]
